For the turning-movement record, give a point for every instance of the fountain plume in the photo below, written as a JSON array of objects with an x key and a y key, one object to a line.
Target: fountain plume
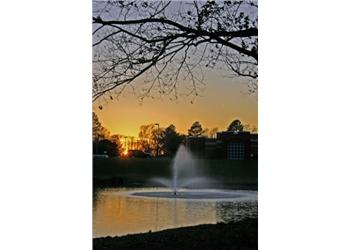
[{"x": 185, "y": 173}]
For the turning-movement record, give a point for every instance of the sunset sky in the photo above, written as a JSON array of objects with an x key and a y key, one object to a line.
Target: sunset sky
[{"x": 221, "y": 101}]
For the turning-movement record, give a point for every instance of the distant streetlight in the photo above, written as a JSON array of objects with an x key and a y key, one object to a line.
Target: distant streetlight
[{"x": 157, "y": 152}]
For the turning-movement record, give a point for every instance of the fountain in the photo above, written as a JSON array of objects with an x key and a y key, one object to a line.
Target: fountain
[
  {"x": 186, "y": 176},
  {"x": 185, "y": 173},
  {"x": 184, "y": 162}
]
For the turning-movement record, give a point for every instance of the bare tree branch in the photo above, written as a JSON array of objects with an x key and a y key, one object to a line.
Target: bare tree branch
[{"x": 169, "y": 42}]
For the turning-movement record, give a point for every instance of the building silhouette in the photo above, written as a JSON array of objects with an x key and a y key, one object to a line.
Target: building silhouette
[{"x": 226, "y": 145}]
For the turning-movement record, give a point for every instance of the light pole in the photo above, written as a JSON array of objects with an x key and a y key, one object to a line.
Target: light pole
[{"x": 157, "y": 124}]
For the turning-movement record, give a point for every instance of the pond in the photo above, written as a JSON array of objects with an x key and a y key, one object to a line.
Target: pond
[{"x": 117, "y": 212}]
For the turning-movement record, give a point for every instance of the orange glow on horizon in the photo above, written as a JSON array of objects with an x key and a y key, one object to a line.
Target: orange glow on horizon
[{"x": 222, "y": 101}]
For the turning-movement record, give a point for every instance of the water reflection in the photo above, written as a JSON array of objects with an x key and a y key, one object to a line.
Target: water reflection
[{"x": 117, "y": 213}]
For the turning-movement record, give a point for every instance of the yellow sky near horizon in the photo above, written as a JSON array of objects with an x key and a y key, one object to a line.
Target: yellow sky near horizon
[{"x": 222, "y": 100}]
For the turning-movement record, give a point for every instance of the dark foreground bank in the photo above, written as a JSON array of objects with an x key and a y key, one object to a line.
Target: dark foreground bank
[{"x": 241, "y": 235}]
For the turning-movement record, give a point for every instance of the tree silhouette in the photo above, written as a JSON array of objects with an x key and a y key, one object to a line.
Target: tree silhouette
[
  {"x": 96, "y": 126},
  {"x": 212, "y": 132},
  {"x": 98, "y": 131},
  {"x": 195, "y": 130},
  {"x": 107, "y": 147},
  {"x": 170, "y": 140},
  {"x": 148, "y": 135},
  {"x": 166, "y": 42},
  {"x": 235, "y": 126},
  {"x": 115, "y": 139},
  {"x": 102, "y": 142},
  {"x": 251, "y": 128}
]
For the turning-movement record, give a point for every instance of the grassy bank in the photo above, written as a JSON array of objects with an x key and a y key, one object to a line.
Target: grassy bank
[
  {"x": 241, "y": 235},
  {"x": 136, "y": 172}
]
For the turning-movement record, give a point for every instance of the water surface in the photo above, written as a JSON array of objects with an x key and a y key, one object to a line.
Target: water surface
[{"x": 117, "y": 212}]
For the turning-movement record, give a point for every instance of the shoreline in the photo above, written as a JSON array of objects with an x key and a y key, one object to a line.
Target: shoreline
[
  {"x": 121, "y": 181},
  {"x": 241, "y": 235}
]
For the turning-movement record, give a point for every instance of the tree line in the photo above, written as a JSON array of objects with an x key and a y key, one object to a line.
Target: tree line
[
  {"x": 153, "y": 139},
  {"x": 102, "y": 140}
]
